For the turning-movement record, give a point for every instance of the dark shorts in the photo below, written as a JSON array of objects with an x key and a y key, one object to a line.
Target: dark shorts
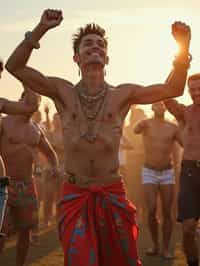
[{"x": 189, "y": 194}]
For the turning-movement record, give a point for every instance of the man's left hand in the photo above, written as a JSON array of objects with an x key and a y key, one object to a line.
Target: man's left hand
[{"x": 182, "y": 34}]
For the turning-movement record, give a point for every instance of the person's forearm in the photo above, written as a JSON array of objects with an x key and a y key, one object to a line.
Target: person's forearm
[
  {"x": 21, "y": 54},
  {"x": 16, "y": 108},
  {"x": 177, "y": 78}
]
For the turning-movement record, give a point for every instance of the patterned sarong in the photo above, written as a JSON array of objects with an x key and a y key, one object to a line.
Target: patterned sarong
[
  {"x": 97, "y": 226},
  {"x": 22, "y": 204}
]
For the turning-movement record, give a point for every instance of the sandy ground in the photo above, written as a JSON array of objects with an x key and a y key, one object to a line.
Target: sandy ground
[{"x": 49, "y": 253}]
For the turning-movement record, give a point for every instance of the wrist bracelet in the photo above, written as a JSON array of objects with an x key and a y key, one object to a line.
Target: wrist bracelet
[
  {"x": 182, "y": 61},
  {"x": 28, "y": 38}
]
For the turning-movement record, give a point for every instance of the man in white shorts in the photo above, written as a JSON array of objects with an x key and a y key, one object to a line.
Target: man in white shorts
[{"x": 159, "y": 138}]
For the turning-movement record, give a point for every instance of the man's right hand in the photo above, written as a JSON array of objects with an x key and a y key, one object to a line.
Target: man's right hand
[{"x": 51, "y": 18}]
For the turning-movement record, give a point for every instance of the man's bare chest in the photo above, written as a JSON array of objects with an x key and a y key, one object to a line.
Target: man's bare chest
[
  {"x": 110, "y": 120},
  {"x": 192, "y": 124},
  {"x": 81, "y": 120},
  {"x": 21, "y": 134}
]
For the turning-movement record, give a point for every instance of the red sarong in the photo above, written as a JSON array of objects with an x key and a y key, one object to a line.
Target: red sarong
[{"x": 97, "y": 226}]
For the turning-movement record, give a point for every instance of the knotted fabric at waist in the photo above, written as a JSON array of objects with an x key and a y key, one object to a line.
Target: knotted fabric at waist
[{"x": 85, "y": 181}]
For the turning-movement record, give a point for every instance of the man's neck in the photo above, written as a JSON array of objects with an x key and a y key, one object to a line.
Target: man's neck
[
  {"x": 93, "y": 81},
  {"x": 159, "y": 118}
]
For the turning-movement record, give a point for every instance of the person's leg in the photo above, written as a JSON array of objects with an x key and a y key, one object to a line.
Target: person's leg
[
  {"x": 22, "y": 246},
  {"x": 25, "y": 219},
  {"x": 48, "y": 203},
  {"x": 3, "y": 214},
  {"x": 189, "y": 209},
  {"x": 189, "y": 241},
  {"x": 167, "y": 197},
  {"x": 150, "y": 194},
  {"x": 5, "y": 228},
  {"x": 2, "y": 243},
  {"x": 34, "y": 232}
]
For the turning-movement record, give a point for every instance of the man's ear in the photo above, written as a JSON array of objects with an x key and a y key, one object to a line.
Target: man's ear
[{"x": 76, "y": 58}]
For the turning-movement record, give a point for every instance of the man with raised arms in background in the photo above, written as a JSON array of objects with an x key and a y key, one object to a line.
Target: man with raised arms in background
[{"x": 188, "y": 118}]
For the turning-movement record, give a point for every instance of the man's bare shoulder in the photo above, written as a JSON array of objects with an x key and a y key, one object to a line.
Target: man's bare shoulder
[
  {"x": 61, "y": 83},
  {"x": 172, "y": 124},
  {"x": 145, "y": 122},
  {"x": 112, "y": 89},
  {"x": 127, "y": 87},
  {"x": 124, "y": 91}
]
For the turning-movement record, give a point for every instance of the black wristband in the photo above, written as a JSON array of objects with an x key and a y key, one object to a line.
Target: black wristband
[{"x": 28, "y": 38}]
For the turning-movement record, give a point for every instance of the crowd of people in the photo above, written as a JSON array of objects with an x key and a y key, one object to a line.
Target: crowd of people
[{"x": 77, "y": 159}]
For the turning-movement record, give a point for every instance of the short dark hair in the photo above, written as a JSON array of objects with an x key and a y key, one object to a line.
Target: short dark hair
[
  {"x": 91, "y": 28},
  {"x": 195, "y": 76}
]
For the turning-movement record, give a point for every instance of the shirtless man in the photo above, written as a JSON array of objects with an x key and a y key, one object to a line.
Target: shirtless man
[
  {"x": 92, "y": 115},
  {"x": 12, "y": 107},
  {"x": 135, "y": 161},
  {"x": 158, "y": 173},
  {"x": 189, "y": 193},
  {"x": 20, "y": 137}
]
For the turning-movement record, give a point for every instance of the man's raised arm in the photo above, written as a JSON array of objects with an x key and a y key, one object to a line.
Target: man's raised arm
[
  {"x": 175, "y": 83},
  {"x": 29, "y": 106},
  {"x": 17, "y": 62},
  {"x": 177, "y": 78},
  {"x": 176, "y": 109}
]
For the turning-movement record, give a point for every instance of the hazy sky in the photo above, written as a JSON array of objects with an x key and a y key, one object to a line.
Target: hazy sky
[{"x": 141, "y": 48}]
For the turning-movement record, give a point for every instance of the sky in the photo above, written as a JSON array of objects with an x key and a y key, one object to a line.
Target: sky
[{"x": 141, "y": 47}]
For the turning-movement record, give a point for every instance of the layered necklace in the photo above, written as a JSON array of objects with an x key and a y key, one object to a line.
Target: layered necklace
[{"x": 92, "y": 108}]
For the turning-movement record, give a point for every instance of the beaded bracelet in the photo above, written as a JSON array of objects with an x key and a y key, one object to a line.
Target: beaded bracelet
[
  {"x": 28, "y": 38},
  {"x": 182, "y": 61}
]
